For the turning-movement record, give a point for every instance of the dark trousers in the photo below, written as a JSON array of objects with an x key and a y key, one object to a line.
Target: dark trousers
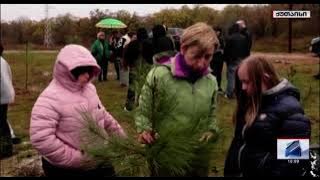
[
  {"x": 104, "y": 70},
  {"x": 217, "y": 66},
  {"x": 131, "y": 93},
  {"x": 231, "y": 69},
  {"x": 117, "y": 66},
  {"x": 54, "y": 171},
  {"x": 5, "y": 136}
]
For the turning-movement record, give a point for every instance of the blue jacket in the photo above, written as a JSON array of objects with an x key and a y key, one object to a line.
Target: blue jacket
[{"x": 253, "y": 151}]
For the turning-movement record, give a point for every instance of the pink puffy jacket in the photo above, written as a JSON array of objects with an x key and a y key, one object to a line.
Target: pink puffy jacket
[{"x": 55, "y": 120}]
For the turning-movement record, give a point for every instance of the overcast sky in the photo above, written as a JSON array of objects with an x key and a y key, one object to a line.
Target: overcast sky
[{"x": 37, "y": 11}]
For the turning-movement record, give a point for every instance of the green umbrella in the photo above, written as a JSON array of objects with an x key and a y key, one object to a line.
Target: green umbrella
[{"x": 110, "y": 23}]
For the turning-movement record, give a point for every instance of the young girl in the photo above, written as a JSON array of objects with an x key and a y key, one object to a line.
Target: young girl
[
  {"x": 55, "y": 120},
  {"x": 267, "y": 108}
]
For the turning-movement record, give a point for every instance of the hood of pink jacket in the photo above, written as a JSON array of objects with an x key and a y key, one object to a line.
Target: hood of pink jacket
[{"x": 69, "y": 58}]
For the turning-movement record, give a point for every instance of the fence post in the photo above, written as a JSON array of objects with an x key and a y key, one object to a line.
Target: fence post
[
  {"x": 290, "y": 32},
  {"x": 27, "y": 49}
]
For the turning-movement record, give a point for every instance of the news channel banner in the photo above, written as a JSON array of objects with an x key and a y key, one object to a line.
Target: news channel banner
[
  {"x": 291, "y": 14},
  {"x": 293, "y": 150}
]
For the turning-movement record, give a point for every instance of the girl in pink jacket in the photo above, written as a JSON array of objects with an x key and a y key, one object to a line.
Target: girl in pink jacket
[{"x": 56, "y": 124}]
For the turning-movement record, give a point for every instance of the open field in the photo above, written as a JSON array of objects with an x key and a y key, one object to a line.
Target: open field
[{"x": 298, "y": 67}]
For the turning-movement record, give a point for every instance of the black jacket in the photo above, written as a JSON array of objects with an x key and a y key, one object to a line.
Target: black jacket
[
  {"x": 162, "y": 44},
  {"x": 253, "y": 152},
  {"x": 117, "y": 47},
  {"x": 219, "y": 49},
  {"x": 248, "y": 36},
  {"x": 160, "y": 41},
  {"x": 236, "y": 47},
  {"x": 137, "y": 48}
]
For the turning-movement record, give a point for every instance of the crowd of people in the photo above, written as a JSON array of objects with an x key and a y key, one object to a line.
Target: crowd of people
[{"x": 267, "y": 108}]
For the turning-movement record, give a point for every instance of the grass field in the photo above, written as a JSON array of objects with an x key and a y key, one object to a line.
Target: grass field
[
  {"x": 266, "y": 44},
  {"x": 40, "y": 66},
  {"x": 280, "y": 44}
]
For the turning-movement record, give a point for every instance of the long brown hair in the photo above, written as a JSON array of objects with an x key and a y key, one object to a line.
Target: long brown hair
[{"x": 260, "y": 71}]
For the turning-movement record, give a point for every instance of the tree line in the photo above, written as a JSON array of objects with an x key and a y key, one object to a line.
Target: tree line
[{"x": 70, "y": 29}]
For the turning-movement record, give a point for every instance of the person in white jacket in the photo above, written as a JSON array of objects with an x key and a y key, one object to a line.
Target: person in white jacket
[{"x": 7, "y": 96}]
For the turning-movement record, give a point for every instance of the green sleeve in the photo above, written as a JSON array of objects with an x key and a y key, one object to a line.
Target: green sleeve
[
  {"x": 212, "y": 116},
  {"x": 94, "y": 50},
  {"x": 142, "y": 119},
  {"x": 107, "y": 49}
]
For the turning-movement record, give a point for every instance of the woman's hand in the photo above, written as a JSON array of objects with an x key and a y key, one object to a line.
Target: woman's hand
[
  {"x": 147, "y": 137},
  {"x": 206, "y": 136}
]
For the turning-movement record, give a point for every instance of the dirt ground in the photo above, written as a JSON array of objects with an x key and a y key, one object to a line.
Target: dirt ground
[
  {"x": 28, "y": 162},
  {"x": 293, "y": 58},
  {"x": 22, "y": 163}
]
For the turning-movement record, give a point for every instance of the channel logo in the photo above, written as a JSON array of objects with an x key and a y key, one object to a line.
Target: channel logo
[
  {"x": 292, "y": 148},
  {"x": 291, "y": 14}
]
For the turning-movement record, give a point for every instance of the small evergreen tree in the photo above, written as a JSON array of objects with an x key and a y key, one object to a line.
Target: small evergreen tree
[{"x": 174, "y": 153}]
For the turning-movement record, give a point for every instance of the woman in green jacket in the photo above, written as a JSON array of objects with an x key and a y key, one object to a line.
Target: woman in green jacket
[
  {"x": 101, "y": 51},
  {"x": 186, "y": 78}
]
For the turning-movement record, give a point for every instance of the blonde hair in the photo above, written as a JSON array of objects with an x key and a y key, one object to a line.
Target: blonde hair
[
  {"x": 260, "y": 70},
  {"x": 199, "y": 34}
]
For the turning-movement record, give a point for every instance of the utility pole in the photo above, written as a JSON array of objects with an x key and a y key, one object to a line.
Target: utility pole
[
  {"x": 0, "y": 30},
  {"x": 47, "y": 33},
  {"x": 290, "y": 31},
  {"x": 319, "y": 17},
  {"x": 27, "y": 63}
]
